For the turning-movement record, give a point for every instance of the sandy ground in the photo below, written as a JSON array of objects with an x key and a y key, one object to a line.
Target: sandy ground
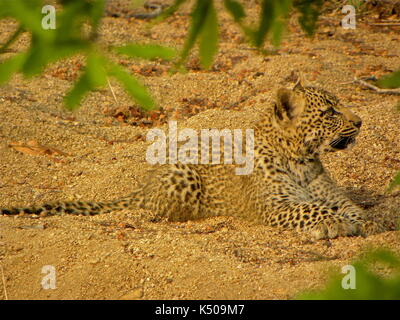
[{"x": 124, "y": 256}]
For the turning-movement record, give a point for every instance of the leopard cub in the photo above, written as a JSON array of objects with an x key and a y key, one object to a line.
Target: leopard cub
[{"x": 288, "y": 188}]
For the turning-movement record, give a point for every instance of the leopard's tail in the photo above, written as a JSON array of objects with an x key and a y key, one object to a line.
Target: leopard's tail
[{"x": 87, "y": 208}]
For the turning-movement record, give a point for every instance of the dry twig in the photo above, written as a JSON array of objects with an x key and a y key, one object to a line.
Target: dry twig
[
  {"x": 385, "y": 24},
  {"x": 375, "y": 88},
  {"x": 112, "y": 90},
  {"x": 4, "y": 283}
]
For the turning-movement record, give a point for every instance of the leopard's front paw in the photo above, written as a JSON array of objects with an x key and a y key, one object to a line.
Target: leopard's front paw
[
  {"x": 334, "y": 226},
  {"x": 371, "y": 227}
]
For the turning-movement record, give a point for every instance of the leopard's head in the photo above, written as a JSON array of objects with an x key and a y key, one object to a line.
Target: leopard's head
[{"x": 317, "y": 116}]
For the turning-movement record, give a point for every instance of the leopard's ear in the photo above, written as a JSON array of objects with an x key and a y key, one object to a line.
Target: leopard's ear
[
  {"x": 288, "y": 105},
  {"x": 284, "y": 107},
  {"x": 301, "y": 81}
]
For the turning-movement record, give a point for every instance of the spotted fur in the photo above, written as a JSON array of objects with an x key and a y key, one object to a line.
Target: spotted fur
[{"x": 289, "y": 187}]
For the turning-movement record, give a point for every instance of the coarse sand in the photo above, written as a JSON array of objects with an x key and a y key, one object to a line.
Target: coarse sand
[{"x": 123, "y": 255}]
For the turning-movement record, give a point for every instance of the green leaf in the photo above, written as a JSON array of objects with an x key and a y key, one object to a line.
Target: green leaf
[
  {"x": 209, "y": 38},
  {"x": 169, "y": 11},
  {"x": 235, "y": 9},
  {"x": 75, "y": 96},
  {"x": 96, "y": 12},
  {"x": 395, "y": 182},
  {"x": 38, "y": 55},
  {"x": 70, "y": 21},
  {"x": 390, "y": 81},
  {"x": 199, "y": 15},
  {"x": 384, "y": 256},
  {"x": 95, "y": 71},
  {"x": 267, "y": 18},
  {"x": 277, "y": 31},
  {"x": 273, "y": 20},
  {"x": 63, "y": 49},
  {"x": 11, "y": 66},
  {"x": 309, "y": 12},
  {"x": 147, "y": 51},
  {"x": 5, "y": 10},
  {"x": 282, "y": 9},
  {"x": 135, "y": 89},
  {"x": 42, "y": 53},
  {"x": 369, "y": 284}
]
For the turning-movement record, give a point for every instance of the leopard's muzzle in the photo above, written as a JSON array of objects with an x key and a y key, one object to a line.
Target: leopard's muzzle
[{"x": 342, "y": 142}]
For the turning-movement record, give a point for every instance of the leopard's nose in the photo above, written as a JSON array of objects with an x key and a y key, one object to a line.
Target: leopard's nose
[{"x": 358, "y": 123}]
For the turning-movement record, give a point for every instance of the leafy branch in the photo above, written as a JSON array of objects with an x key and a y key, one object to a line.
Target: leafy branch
[
  {"x": 369, "y": 285},
  {"x": 69, "y": 38}
]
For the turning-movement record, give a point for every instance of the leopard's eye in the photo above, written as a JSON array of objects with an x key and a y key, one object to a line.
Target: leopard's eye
[{"x": 331, "y": 111}]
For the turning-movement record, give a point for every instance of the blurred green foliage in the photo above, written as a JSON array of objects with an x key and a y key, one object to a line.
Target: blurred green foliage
[
  {"x": 77, "y": 26},
  {"x": 369, "y": 285},
  {"x": 271, "y": 23},
  {"x": 392, "y": 81},
  {"x": 76, "y": 32},
  {"x": 395, "y": 182},
  {"x": 69, "y": 38}
]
